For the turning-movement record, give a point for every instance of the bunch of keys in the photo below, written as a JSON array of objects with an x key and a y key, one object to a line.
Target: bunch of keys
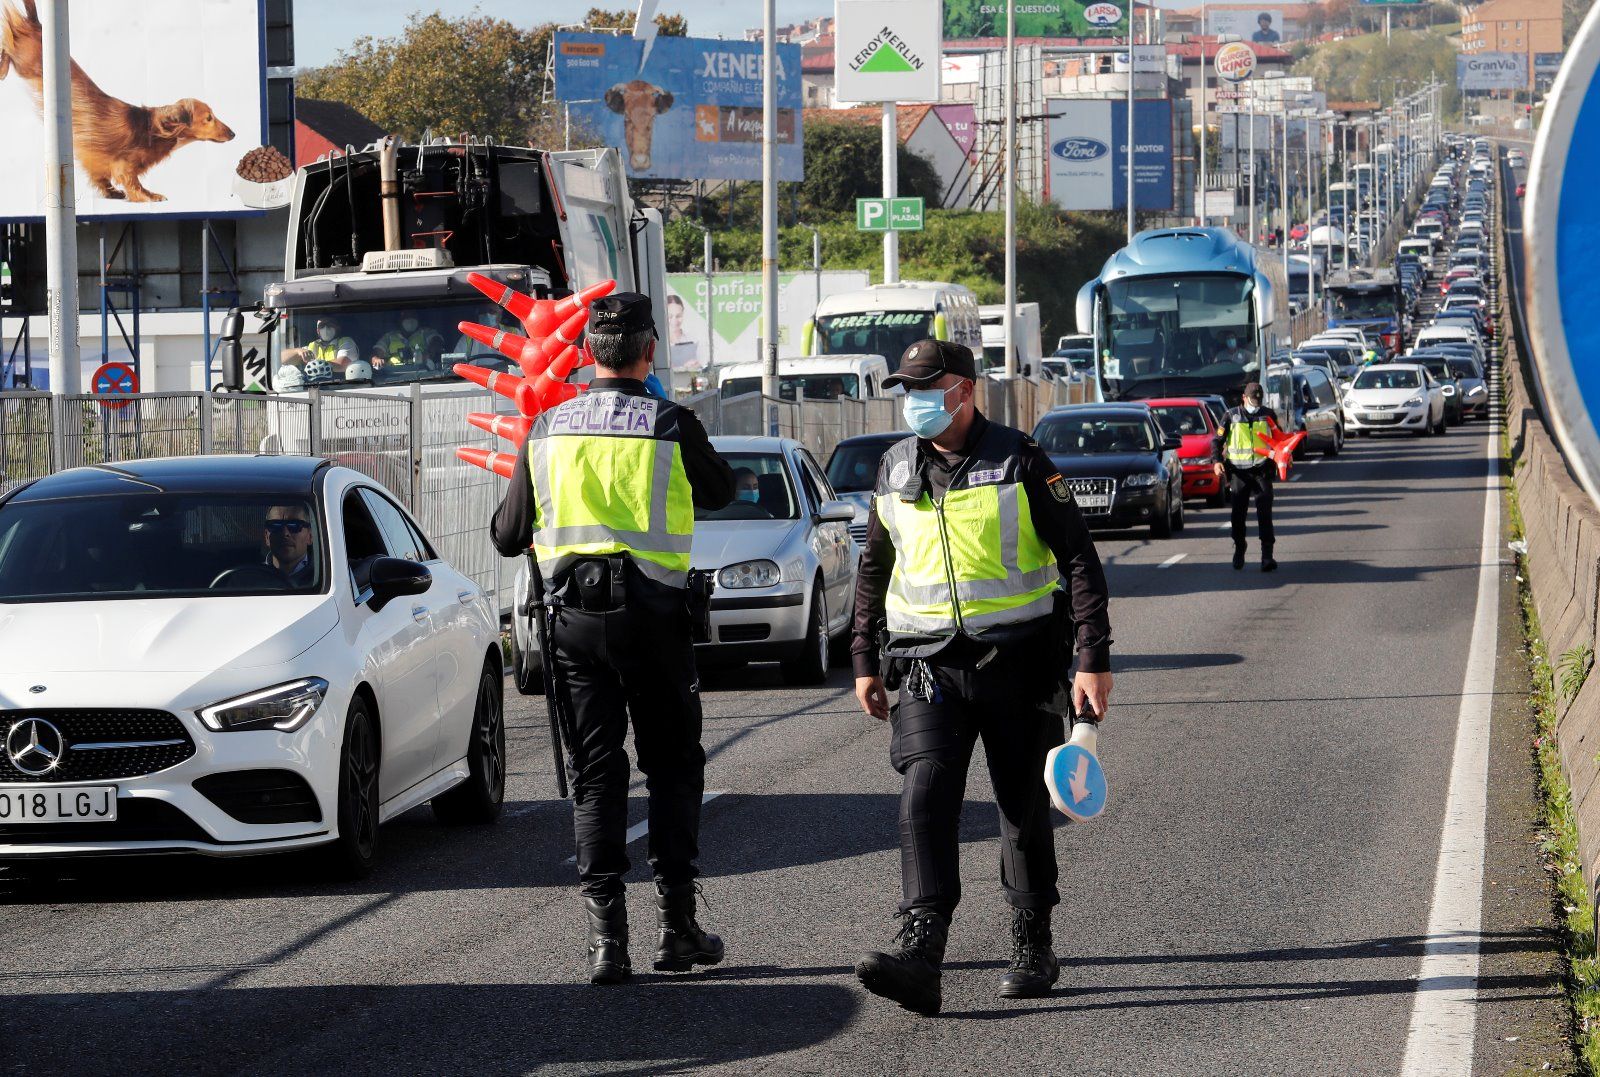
[{"x": 921, "y": 684}]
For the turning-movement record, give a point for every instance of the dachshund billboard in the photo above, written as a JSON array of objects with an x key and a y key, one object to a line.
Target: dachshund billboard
[{"x": 168, "y": 101}]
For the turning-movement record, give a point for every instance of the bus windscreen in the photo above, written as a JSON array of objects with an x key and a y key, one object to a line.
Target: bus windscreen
[{"x": 1189, "y": 334}]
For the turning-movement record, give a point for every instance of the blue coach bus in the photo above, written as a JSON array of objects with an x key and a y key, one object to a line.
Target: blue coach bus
[
  {"x": 1164, "y": 308},
  {"x": 1368, "y": 299}
]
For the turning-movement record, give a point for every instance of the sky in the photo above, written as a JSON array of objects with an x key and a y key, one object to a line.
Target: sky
[{"x": 323, "y": 28}]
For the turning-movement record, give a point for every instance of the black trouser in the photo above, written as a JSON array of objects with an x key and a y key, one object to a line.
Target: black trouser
[
  {"x": 635, "y": 662},
  {"x": 1006, "y": 704},
  {"x": 1242, "y": 485}
]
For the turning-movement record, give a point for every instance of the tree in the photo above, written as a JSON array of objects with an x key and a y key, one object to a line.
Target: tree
[
  {"x": 474, "y": 74},
  {"x": 844, "y": 162},
  {"x": 622, "y": 19}
]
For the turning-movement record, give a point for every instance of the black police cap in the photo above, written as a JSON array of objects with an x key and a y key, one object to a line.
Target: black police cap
[
  {"x": 929, "y": 360},
  {"x": 621, "y": 312}
]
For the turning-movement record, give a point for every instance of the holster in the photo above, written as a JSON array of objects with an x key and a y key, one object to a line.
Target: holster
[
  {"x": 599, "y": 584},
  {"x": 701, "y": 584}
]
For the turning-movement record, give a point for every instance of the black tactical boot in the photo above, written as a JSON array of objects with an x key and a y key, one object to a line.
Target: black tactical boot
[
  {"x": 1238, "y": 557},
  {"x": 608, "y": 940},
  {"x": 1268, "y": 564},
  {"x": 1034, "y": 969},
  {"x": 682, "y": 944},
  {"x": 910, "y": 974}
]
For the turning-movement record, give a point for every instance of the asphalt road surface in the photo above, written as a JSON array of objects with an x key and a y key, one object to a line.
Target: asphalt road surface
[{"x": 1255, "y": 900}]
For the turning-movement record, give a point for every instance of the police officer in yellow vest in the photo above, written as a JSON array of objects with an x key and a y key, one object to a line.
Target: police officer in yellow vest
[
  {"x": 1247, "y": 472},
  {"x": 411, "y": 345},
  {"x": 978, "y": 583},
  {"x": 605, "y": 491}
]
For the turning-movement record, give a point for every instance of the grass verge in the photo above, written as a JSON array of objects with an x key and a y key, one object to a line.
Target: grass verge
[{"x": 1558, "y": 837}]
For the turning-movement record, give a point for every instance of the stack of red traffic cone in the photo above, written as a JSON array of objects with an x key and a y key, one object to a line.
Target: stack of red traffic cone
[{"x": 547, "y": 356}]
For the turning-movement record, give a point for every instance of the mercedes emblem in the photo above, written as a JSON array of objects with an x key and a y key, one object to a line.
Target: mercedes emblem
[
  {"x": 36, "y": 689},
  {"x": 35, "y": 746}
]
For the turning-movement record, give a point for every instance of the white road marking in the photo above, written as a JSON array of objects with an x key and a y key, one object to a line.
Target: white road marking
[
  {"x": 1295, "y": 477},
  {"x": 1174, "y": 559},
  {"x": 1440, "y": 1039},
  {"x": 642, "y": 827}
]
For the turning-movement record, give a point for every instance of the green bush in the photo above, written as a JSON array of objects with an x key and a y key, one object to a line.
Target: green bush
[{"x": 1056, "y": 252}]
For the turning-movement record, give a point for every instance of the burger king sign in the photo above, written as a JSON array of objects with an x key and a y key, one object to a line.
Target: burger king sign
[{"x": 1235, "y": 61}]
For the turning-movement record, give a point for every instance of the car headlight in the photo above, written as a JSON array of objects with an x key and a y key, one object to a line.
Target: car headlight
[
  {"x": 285, "y": 708},
  {"x": 1414, "y": 402},
  {"x": 1143, "y": 479},
  {"x": 1477, "y": 390},
  {"x": 749, "y": 574}
]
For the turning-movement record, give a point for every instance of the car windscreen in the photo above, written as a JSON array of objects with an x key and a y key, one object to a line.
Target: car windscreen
[
  {"x": 853, "y": 468},
  {"x": 1387, "y": 379},
  {"x": 399, "y": 343},
  {"x": 1439, "y": 369},
  {"x": 1078, "y": 435},
  {"x": 815, "y": 386},
  {"x": 873, "y": 332},
  {"x": 763, "y": 490},
  {"x": 1464, "y": 368},
  {"x": 151, "y": 544},
  {"x": 1176, "y": 420},
  {"x": 1361, "y": 304}
]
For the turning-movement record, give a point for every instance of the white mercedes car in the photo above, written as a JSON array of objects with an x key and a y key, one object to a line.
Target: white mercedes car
[{"x": 235, "y": 655}]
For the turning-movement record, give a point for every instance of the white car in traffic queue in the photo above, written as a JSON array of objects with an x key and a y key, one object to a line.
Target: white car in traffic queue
[
  {"x": 231, "y": 656},
  {"x": 1394, "y": 396},
  {"x": 782, "y": 559}
]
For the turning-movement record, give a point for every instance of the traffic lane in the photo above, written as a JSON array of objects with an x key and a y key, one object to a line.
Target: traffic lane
[
  {"x": 803, "y": 872},
  {"x": 1278, "y": 787}
]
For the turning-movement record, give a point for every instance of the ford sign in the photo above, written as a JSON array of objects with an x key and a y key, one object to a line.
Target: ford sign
[
  {"x": 1080, "y": 149},
  {"x": 1102, "y": 14}
]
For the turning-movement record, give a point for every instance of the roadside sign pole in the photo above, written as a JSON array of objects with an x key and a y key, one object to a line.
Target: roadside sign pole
[
  {"x": 1202, "y": 185},
  {"x": 891, "y": 185},
  {"x": 61, "y": 208},
  {"x": 1011, "y": 195},
  {"x": 1131, "y": 214},
  {"x": 769, "y": 209},
  {"x": 1254, "y": 235},
  {"x": 1283, "y": 188},
  {"x": 711, "y": 306}
]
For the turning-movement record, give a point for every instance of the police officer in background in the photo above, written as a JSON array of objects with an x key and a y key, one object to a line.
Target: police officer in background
[
  {"x": 1247, "y": 472},
  {"x": 979, "y": 567},
  {"x": 605, "y": 491}
]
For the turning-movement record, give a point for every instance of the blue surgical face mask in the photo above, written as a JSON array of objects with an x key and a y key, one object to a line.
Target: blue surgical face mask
[
  {"x": 925, "y": 414},
  {"x": 751, "y": 496}
]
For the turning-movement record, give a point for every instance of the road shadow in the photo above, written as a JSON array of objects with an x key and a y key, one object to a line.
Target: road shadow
[
  {"x": 528, "y": 848},
  {"x": 646, "y": 1028},
  {"x": 1130, "y": 663}
]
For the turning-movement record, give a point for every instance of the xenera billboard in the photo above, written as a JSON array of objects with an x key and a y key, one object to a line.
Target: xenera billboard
[
  {"x": 688, "y": 108},
  {"x": 1086, "y": 154},
  {"x": 169, "y": 98},
  {"x": 1492, "y": 71},
  {"x": 968, "y": 19}
]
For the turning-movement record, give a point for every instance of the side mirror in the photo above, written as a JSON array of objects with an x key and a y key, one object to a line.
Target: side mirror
[
  {"x": 836, "y": 512},
  {"x": 391, "y": 577},
  {"x": 232, "y": 357},
  {"x": 1171, "y": 443}
]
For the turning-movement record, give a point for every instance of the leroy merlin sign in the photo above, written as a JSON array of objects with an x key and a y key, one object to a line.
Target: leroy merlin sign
[{"x": 886, "y": 50}]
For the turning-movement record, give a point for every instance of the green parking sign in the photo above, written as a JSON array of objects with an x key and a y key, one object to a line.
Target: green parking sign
[{"x": 889, "y": 214}]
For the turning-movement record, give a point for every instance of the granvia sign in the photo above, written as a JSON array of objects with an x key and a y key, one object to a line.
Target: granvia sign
[
  {"x": 1492, "y": 71},
  {"x": 1235, "y": 61},
  {"x": 1080, "y": 149}
]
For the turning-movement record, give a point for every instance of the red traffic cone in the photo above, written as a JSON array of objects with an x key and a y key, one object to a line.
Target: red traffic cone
[
  {"x": 511, "y": 427},
  {"x": 502, "y": 464}
]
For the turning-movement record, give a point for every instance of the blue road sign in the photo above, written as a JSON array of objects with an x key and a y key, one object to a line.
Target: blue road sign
[
  {"x": 1076, "y": 781},
  {"x": 1562, "y": 289}
]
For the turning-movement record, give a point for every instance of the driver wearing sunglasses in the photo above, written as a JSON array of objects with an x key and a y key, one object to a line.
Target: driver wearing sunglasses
[{"x": 287, "y": 534}]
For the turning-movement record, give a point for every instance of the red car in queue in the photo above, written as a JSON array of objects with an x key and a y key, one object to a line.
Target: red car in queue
[{"x": 1188, "y": 418}]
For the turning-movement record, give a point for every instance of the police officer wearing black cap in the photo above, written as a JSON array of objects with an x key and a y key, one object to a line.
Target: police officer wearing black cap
[
  {"x": 605, "y": 492},
  {"x": 978, "y": 584}
]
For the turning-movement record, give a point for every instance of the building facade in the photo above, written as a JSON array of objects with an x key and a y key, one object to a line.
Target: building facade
[{"x": 1530, "y": 28}]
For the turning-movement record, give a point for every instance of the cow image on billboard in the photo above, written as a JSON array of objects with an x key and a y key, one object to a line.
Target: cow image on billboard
[
  {"x": 686, "y": 108},
  {"x": 150, "y": 136}
]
